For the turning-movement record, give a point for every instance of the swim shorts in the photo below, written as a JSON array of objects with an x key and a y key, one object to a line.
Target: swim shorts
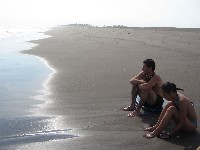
[{"x": 157, "y": 105}]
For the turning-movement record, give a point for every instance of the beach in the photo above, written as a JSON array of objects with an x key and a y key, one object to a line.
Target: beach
[{"x": 91, "y": 83}]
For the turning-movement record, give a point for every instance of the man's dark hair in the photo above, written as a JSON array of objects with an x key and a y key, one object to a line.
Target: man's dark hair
[
  {"x": 150, "y": 63},
  {"x": 168, "y": 87}
]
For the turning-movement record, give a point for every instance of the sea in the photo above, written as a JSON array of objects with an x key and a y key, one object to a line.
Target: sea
[{"x": 24, "y": 87}]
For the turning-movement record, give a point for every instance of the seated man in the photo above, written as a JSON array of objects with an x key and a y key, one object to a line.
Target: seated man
[
  {"x": 147, "y": 84},
  {"x": 179, "y": 109}
]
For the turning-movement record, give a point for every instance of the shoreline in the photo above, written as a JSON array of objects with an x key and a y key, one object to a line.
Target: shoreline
[
  {"x": 45, "y": 91},
  {"x": 94, "y": 66},
  {"x": 18, "y": 77},
  {"x": 22, "y": 77}
]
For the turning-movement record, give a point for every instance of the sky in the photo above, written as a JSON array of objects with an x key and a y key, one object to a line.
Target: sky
[{"x": 135, "y": 13}]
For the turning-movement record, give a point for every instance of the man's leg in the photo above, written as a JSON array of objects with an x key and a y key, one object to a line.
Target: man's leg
[
  {"x": 152, "y": 97},
  {"x": 143, "y": 98},
  {"x": 134, "y": 93}
]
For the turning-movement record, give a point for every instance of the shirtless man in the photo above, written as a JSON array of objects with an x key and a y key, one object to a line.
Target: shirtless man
[
  {"x": 147, "y": 84},
  {"x": 179, "y": 109}
]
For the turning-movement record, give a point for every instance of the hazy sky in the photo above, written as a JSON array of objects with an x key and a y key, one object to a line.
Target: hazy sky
[{"x": 177, "y": 13}]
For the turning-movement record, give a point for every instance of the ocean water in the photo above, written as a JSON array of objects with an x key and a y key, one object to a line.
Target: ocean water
[
  {"x": 21, "y": 75},
  {"x": 23, "y": 81}
]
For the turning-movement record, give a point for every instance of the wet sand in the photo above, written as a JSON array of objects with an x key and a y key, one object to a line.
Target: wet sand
[{"x": 91, "y": 85}]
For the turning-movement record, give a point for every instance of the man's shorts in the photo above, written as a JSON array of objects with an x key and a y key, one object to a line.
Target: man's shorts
[{"x": 157, "y": 105}]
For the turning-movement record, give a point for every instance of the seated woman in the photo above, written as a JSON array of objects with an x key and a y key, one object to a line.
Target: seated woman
[{"x": 179, "y": 109}]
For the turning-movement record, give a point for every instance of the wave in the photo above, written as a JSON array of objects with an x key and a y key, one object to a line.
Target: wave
[
  {"x": 30, "y": 130},
  {"x": 6, "y": 31}
]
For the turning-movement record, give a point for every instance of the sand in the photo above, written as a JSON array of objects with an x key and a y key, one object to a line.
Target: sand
[{"x": 93, "y": 68}]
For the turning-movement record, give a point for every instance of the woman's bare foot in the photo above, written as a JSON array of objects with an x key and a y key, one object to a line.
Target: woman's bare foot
[{"x": 150, "y": 135}]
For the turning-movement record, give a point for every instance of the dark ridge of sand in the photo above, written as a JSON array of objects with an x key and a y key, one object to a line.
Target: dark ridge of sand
[{"x": 94, "y": 66}]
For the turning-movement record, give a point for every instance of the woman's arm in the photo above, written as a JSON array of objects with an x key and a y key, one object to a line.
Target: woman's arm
[{"x": 181, "y": 120}]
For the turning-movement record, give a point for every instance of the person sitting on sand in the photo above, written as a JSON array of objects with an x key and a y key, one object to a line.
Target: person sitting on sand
[
  {"x": 179, "y": 109},
  {"x": 147, "y": 84}
]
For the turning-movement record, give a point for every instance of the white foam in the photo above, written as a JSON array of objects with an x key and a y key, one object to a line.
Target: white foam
[{"x": 6, "y": 31}]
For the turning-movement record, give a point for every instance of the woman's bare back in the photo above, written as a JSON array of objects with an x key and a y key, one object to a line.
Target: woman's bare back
[{"x": 191, "y": 113}]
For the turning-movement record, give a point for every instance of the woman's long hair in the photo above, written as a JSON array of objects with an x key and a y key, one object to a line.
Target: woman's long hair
[{"x": 168, "y": 87}]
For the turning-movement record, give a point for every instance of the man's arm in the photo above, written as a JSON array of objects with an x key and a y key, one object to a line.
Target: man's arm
[
  {"x": 149, "y": 85},
  {"x": 137, "y": 79}
]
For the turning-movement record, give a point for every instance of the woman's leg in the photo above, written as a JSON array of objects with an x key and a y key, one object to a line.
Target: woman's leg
[
  {"x": 172, "y": 114},
  {"x": 169, "y": 115},
  {"x": 160, "y": 117}
]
